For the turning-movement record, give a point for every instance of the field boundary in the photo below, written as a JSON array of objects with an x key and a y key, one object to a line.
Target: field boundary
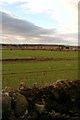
[{"x": 37, "y": 59}]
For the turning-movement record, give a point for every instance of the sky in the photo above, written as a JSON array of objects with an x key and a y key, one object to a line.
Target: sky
[{"x": 39, "y": 21}]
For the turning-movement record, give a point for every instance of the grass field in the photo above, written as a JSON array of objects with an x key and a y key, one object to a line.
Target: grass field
[
  {"x": 12, "y": 54},
  {"x": 38, "y": 71}
]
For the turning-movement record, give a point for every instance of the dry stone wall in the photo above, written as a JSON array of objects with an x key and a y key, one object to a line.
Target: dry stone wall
[{"x": 59, "y": 101}]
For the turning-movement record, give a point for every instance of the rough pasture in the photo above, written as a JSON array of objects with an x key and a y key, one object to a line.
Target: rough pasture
[{"x": 42, "y": 67}]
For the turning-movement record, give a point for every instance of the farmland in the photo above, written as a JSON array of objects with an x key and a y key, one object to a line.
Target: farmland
[{"x": 42, "y": 70}]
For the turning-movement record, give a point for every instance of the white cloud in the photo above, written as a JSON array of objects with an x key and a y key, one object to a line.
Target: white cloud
[
  {"x": 65, "y": 12},
  {"x": 16, "y": 30},
  {"x": 11, "y": 1}
]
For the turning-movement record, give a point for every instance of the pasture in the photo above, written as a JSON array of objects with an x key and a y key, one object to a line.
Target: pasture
[{"x": 43, "y": 72}]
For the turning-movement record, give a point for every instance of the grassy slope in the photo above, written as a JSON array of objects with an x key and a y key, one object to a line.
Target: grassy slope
[
  {"x": 12, "y": 54},
  {"x": 41, "y": 72}
]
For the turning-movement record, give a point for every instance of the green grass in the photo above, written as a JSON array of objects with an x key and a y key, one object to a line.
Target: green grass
[
  {"x": 12, "y": 54},
  {"x": 41, "y": 71}
]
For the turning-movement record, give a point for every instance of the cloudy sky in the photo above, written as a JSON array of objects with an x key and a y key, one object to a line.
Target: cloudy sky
[{"x": 39, "y": 21}]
